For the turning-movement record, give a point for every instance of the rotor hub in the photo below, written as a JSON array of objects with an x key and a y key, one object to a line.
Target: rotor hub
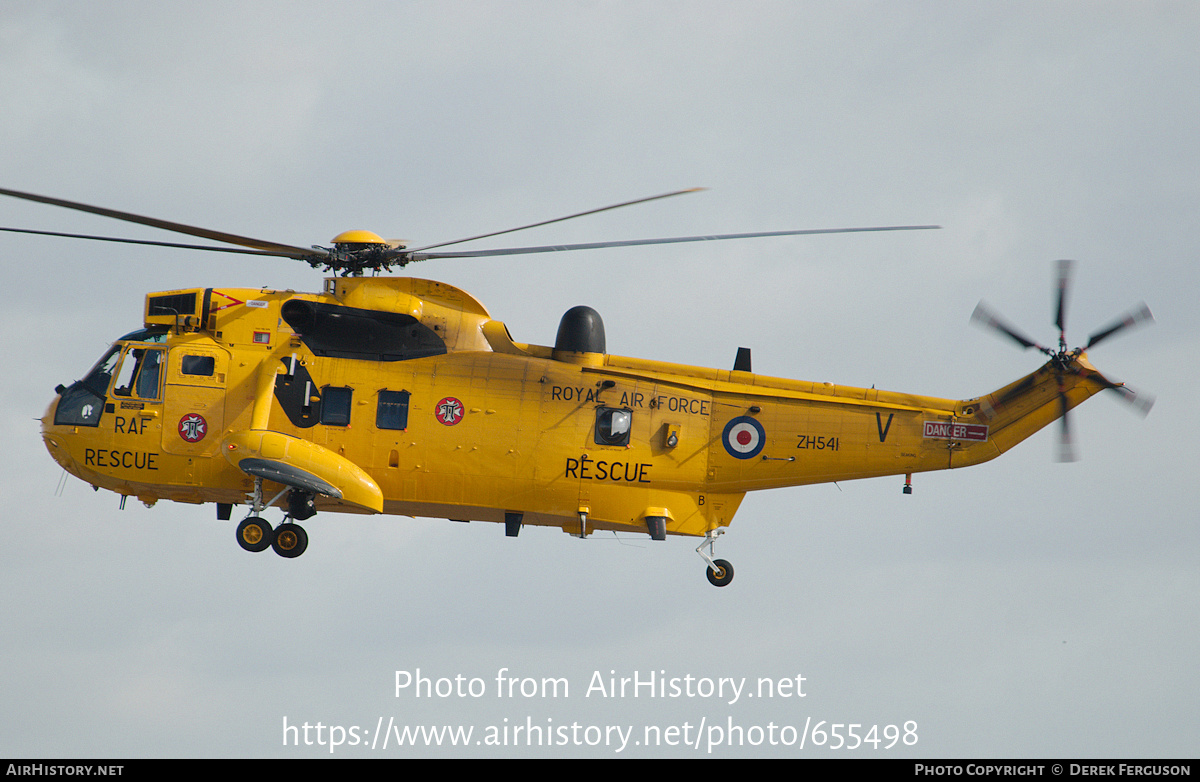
[{"x": 357, "y": 238}]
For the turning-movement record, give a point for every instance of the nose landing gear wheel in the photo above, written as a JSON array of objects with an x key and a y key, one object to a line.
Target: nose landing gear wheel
[
  {"x": 255, "y": 534},
  {"x": 721, "y": 573},
  {"x": 290, "y": 541}
]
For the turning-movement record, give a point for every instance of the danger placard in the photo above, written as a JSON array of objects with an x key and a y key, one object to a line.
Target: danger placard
[{"x": 947, "y": 430}]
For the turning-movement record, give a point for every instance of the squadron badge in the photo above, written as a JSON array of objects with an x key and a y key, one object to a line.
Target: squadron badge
[
  {"x": 193, "y": 427},
  {"x": 449, "y": 411}
]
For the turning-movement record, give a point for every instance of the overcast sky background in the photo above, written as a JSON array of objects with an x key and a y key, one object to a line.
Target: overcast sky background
[{"x": 1021, "y": 608}]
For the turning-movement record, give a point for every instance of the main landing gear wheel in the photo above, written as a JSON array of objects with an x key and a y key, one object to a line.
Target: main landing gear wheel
[
  {"x": 255, "y": 534},
  {"x": 290, "y": 541},
  {"x": 721, "y": 573}
]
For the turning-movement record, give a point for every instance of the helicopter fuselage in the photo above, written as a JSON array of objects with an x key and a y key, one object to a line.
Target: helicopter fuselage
[{"x": 403, "y": 396}]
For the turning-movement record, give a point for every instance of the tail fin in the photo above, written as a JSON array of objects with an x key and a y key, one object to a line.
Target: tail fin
[{"x": 1016, "y": 411}]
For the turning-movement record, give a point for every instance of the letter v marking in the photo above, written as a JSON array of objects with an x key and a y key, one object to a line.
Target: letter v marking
[{"x": 883, "y": 430}]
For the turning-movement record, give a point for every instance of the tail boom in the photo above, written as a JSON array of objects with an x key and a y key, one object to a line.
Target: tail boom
[
  {"x": 1018, "y": 410},
  {"x": 859, "y": 433}
]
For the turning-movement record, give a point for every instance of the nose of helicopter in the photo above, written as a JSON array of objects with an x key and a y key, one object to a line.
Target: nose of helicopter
[{"x": 55, "y": 441}]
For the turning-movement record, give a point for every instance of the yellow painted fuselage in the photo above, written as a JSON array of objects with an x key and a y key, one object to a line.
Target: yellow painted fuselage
[{"x": 469, "y": 425}]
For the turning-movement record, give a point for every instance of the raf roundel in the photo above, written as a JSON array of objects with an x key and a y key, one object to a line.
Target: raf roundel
[{"x": 744, "y": 437}]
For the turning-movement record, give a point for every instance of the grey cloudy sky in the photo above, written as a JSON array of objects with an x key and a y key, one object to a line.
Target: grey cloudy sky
[{"x": 1019, "y": 608}]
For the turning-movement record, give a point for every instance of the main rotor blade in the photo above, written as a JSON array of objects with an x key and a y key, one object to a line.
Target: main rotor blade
[
  {"x": 1065, "y": 270},
  {"x": 208, "y": 247},
  {"x": 986, "y": 317},
  {"x": 555, "y": 220},
  {"x": 204, "y": 233},
  {"x": 1139, "y": 314},
  {"x": 673, "y": 240}
]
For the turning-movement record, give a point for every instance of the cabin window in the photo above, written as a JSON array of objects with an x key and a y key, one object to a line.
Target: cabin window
[
  {"x": 613, "y": 426},
  {"x": 198, "y": 365},
  {"x": 392, "y": 412},
  {"x": 335, "y": 406}
]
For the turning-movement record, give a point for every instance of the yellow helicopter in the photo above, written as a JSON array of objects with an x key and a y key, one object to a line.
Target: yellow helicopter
[{"x": 403, "y": 396}]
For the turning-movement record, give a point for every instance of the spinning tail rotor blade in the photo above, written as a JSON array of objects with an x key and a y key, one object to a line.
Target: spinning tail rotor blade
[
  {"x": 1139, "y": 401},
  {"x": 985, "y": 317},
  {"x": 1066, "y": 446},
  {"x": 1137, "y": 315},
  {"x": 1065, "y": 271}
]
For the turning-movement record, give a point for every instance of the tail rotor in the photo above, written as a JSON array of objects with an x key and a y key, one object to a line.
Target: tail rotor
[{"x": 1065, "y": 361}]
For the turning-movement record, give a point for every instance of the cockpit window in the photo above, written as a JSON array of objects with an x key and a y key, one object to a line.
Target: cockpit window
[
  {"x": 98, "y": 379},
  {"x": 82, "y": 403},
  {"x": 139, "y": 374},
  {"x": 149, "y": 374}
]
